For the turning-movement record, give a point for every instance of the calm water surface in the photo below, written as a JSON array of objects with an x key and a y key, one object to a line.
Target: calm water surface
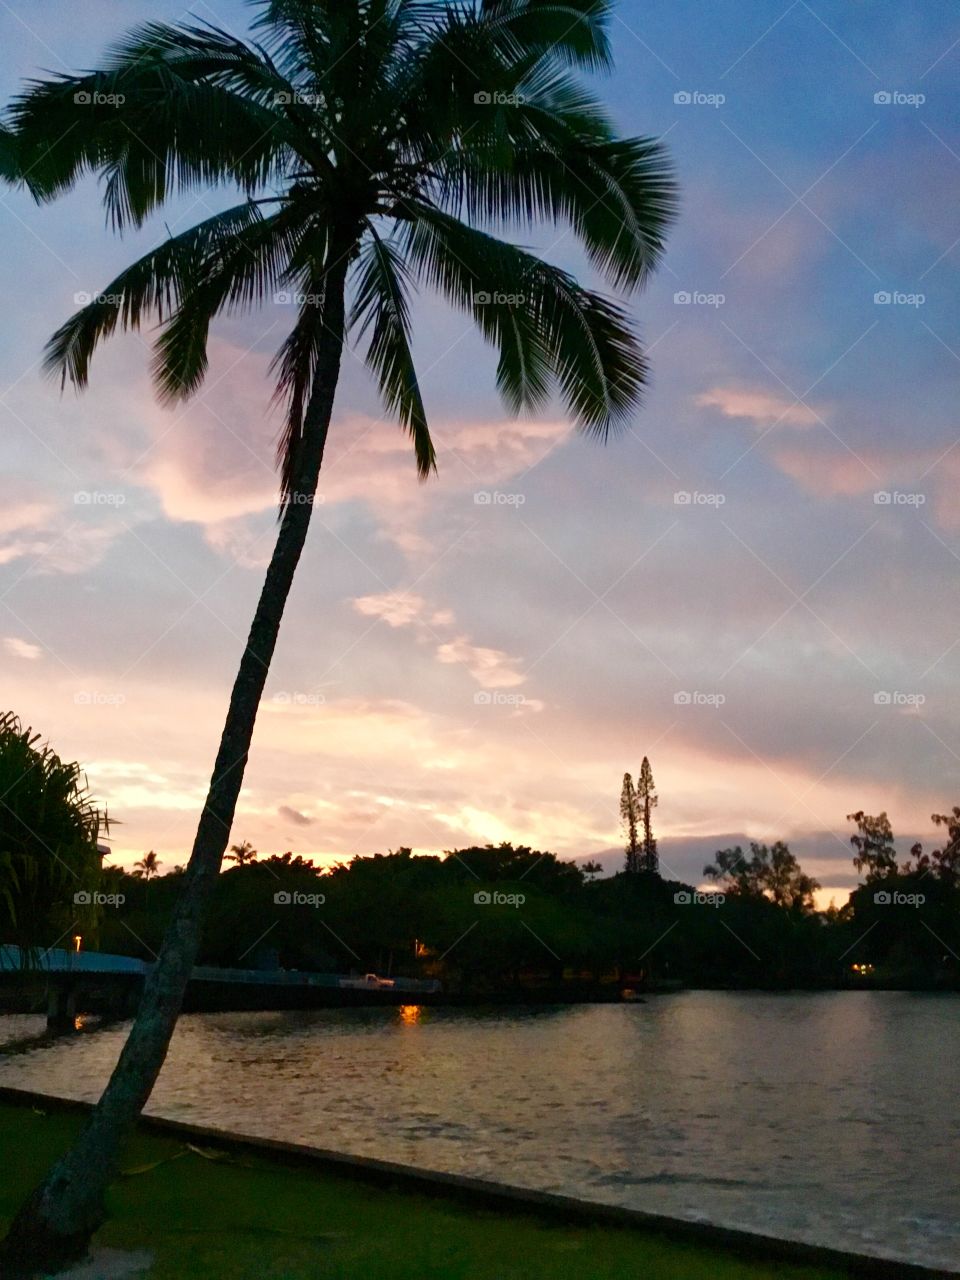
[{"x": 832, "y": 1118}]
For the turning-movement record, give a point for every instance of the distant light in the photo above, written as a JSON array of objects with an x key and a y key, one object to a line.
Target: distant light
[
  {"x": 77, "y": 939},
  {"x": 410, "y": 1014}
]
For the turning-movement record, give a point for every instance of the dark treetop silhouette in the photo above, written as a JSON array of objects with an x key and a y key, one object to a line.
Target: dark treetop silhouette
[{"x": 375, "y": 144}]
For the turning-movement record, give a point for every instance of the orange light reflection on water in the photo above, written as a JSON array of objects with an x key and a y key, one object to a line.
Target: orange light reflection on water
[{"x": 410, "y": 1014}]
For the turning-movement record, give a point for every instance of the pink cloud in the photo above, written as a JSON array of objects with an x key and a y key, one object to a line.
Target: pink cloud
[
  {"x": 491, "y": 668},
  {"x": 762, "y": 407},
  {"x": 394, "y": 609}
]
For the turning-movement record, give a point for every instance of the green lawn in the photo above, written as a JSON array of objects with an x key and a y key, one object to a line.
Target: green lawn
[{"x": 257, "y": 1220}]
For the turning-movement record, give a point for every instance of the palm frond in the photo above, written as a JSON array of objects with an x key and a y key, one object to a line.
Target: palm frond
[
  {"x": 10, "y": 169},
  {"x": 165, "y": 115},
  {"x": 573, "y": 31},
  {"x": 618, "y": 196},
  {"x": 380, "y": 307},
  {"x": 537, "y": 316},
  {"x": 239, "y": 254}
]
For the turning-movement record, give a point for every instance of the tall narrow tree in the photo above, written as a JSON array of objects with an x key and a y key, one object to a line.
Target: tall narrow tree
[
  {"x": 646, "y": 802},
  {"x": 628, "y": 823},
  {"x": 375, "y": 144}
]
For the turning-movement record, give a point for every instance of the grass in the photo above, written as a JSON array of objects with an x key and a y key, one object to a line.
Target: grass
[{"x": 255, "y": 1219}]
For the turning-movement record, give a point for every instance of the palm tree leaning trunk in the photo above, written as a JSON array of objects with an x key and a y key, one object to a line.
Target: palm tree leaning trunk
[
  {"x": 56, "y": 1222},
  {"x": 377, "y": 145}
]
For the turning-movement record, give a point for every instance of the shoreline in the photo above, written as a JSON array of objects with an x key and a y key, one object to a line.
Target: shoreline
[{"x": 504, "y": 1198}]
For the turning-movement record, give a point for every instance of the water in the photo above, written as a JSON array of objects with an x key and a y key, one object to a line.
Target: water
[{"x": 832, "y": 1118}]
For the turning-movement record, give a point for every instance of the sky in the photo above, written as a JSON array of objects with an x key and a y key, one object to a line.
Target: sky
[{"x": 754, "y": 584}]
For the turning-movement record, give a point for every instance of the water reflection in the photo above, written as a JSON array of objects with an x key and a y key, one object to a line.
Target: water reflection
[{"x": 824, "y": 1117}]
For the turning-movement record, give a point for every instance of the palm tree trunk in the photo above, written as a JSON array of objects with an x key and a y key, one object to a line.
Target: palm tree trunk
[{"x": 56, "y": 1222}]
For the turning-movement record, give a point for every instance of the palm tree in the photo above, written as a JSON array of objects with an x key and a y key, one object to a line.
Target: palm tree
[
  {"x": 242, "y": 854},
  {"x": 148, "y": 866},
  {"x": 376, "y": 145},
  {"x": 49, "y": 827}
]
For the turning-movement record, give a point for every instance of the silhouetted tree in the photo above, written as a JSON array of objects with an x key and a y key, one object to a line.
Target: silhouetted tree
[
  {"x": 646, "y": 801},
  {"x": 148, "y": 866},
  {"x": 876, "y": 853},
  {"x": 242, "y": 854},
  {"x": 49, "y": 826},
  {"x": 628, "y": 821},
  {"x": 770, "y": 871},
  {"x": 946, "y": 861},
  {"x": 784, "y": 881},
  {"x": 735, "y": 873}
]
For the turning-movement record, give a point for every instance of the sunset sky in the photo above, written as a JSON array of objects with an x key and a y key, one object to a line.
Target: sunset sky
[{"x": 784, "y": 647}]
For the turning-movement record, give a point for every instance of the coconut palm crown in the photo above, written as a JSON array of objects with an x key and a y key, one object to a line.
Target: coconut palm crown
[{"x": 399, "y": 135}]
